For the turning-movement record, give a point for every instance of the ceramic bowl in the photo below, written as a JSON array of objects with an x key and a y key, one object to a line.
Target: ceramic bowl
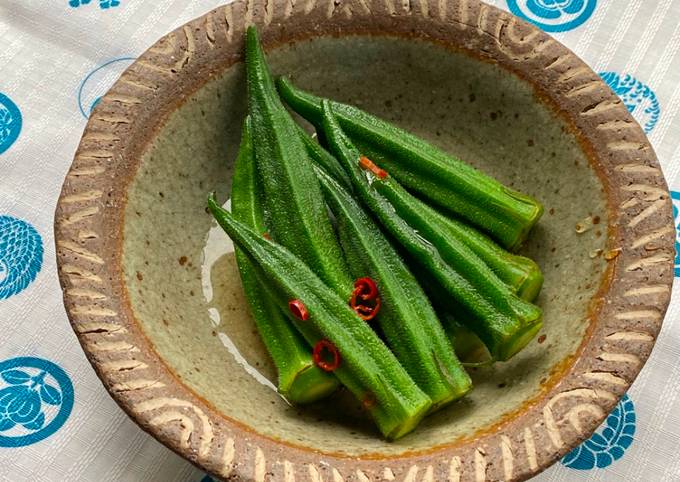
[{"x": 152, "y": 291}]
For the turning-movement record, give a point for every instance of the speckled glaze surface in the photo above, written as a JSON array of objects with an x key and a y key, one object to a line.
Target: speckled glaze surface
[
  {"x": 192, "y": 308},
  {"x": 151, "y": 287}
]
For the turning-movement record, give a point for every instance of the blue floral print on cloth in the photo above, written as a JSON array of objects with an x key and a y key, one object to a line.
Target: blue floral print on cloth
[
  {"x": 675, "y": 196},
  {"x": 21, "y": 255},
  {"x": 103, "y": 4},
  {"x": 638, "y": 98},
  {"x": 10, "y": 122},
  {"x": 554, "y": 15},
  {"x": 98, "y": 82},
  {"x": 609, "y": 443},
  {"x": 36, "y": 398}
]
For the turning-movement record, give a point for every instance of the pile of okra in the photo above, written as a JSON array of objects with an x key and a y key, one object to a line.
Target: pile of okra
[{"x": 373, "y": 260}]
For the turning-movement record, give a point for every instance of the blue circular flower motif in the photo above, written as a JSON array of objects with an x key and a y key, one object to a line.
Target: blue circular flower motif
[
  {"x": 554, "y": 15},
  {"x": 103, "y": 4},
  {"x": 97, "y": 82},
  {"x": 609, "y": 443},
  {"x": 638, "y": 98},
  {"x": 675, "y": 197},
  {"x": 36, "y": 398},
  {"x": 10, "y": 122},
  {"x": 21, "y": 255}
]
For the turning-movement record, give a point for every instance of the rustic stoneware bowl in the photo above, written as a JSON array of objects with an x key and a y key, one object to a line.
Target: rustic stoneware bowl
[{"x": 151, "y": 287}]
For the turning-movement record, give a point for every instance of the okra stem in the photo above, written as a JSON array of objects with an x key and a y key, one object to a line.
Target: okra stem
[
  {"x": 439, "y": 177},
  {"x": 503, "y": 321},
  {"x": 408, "y": 321},
  {"x": 299, "y": 379},
  {"x": 368, "y": 367}
]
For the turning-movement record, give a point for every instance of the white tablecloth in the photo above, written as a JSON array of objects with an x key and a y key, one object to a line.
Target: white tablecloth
[{"x": 58, "y": 56}]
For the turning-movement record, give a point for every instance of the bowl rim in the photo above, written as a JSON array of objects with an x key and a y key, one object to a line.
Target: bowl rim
[{"x": 625, "y": 315}]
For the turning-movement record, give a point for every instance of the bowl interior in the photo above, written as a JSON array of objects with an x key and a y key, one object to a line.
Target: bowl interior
[{"x": 179, "y": 267}]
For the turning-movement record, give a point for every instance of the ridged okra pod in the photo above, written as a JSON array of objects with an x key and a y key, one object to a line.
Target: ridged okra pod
[
  {"x": 519, "y": 272},
  {"x": 299, "y": 219},
  {"x": 442, "y": 179},
  {"x": 522, "y": 274},
  {"x": 325, "y": 159},
  {"x": 408, "y": 321},
  {"x": 299, "y": 379},
  {"x": 505, "y": 322},
  {"x": 365, "y": 365}
]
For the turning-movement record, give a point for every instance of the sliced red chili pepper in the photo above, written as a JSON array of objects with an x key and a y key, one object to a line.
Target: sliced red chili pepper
[
  {"x": 298, "y": 309},
  {"x": 369, "y": 290},
  {"x": 365, "y": 300},
  {"x": 367, "y": 164},
  {"x": 367, "y": 313},
  {"x": 323, "y": 350}
]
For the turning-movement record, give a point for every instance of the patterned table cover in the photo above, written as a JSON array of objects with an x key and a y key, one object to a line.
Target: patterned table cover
[{"x": 57, "y": 423}]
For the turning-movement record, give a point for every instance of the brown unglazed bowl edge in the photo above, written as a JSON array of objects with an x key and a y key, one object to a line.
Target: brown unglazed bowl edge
[{"x": 625, "y": 315}]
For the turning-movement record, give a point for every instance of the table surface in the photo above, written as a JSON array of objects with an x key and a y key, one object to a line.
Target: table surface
[{"x": 58, "y": 56}]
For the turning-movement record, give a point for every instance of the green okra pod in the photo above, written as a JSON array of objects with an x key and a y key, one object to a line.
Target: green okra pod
[
  {"x": 520, "y": 273},
  {"x": 299, "y": 379},
  {"x": 325, "y": 159},
  {"x": 469, "y": 348},
  {"x": 408, "y": 321},
  {"x": 505, "y": 322},
  {"x": 442, "y": 179},
  {"x": 299, "y": 219},
  {"x": 366, "y": 366}
]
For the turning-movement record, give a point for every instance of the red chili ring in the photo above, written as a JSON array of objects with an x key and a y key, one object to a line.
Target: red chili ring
[
  {"x": 365, "y": 290},
  {"x": 367, "y": 313},
  {"x": 298, "y": 309},
  {"x": 368, "y": 288},
  {"x": 320, "y": 362}
]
